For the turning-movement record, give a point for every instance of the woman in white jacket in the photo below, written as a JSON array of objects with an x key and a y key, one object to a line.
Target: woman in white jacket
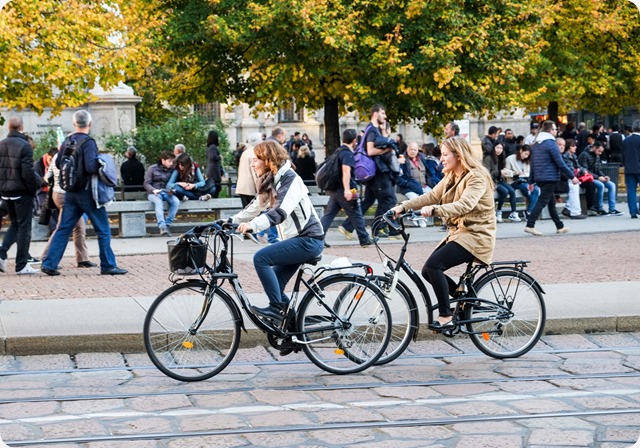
[
  {"x": 519, "y": 166},
  {"x": 284, "y": 198}
]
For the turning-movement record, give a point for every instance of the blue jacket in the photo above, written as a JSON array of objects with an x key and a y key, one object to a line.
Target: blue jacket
[
  {"x": 174, "y": 179},
  {"x": 631, "y": 153},
  {"x": 103, "y": 183},
  {"x": 546, "y": 160}
]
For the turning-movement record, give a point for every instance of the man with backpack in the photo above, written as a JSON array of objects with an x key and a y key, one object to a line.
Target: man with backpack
[
  {"x": 381, "y": 187},
  {"x": 343, "y": 193},
  {"x": 77, "y": 161}
]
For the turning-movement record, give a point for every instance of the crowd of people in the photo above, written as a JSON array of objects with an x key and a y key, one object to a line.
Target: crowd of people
[{"x": 540, "y": 166}]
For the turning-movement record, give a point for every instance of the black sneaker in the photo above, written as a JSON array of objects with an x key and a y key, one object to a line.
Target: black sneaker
[
  {"x": 601, "y": 212},
  {"x": 367, "y": 243},
  {"x": 566, "y": 212},
  {"x": 270, "y": 312},
  {"x": 615, "y": 212},
  {"x": 33, "y": 259}
]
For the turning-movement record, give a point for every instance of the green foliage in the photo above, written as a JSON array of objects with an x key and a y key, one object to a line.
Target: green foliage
[
  {"x": 44, "y": 142},
  {"x": 151, "y": 140},
  {"x": 424, "y": 60}
]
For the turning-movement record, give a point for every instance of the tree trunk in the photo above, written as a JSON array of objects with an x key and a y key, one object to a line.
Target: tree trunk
[
  {"x": 331, "y": 126},
  {"x": 552, "y": 111}
]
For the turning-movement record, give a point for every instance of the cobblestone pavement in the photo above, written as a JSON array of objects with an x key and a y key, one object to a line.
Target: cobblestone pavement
[
  {"x": 572, "y": 390},
  {"x": 569, "y": 259}
]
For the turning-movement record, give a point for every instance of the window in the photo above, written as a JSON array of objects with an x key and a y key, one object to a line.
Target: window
[
  {"x": 210, "y": 112},
  {"x": 290, "y": 113}
]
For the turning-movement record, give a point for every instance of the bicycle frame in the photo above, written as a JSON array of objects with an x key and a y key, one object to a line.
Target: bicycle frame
[
  {"x": 465, "y": 285},
  {"x": 223, "y": 270}
]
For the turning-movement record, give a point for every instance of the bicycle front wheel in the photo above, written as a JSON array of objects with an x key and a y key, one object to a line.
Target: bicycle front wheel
[
  {"x": 404, "y": 315},
  {"x": 189, "y": 335},
  {"x": 511, "y": 319},
  {"x": 347, "y": 330}
]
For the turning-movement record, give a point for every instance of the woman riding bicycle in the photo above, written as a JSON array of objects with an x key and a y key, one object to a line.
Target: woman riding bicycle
[
  {"x": 285, "y": 198},
  {"x": 464, "y": 200}
]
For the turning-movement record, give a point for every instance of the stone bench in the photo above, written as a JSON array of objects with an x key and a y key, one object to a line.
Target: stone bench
[{"x": 132, "y": 214}]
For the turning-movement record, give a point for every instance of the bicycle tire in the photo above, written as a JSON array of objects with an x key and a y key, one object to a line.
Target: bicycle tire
[
  {"x": 507, "y": 336},
  {"x": 191, "y": 355},
  {"x": 404, "y": 317},
  {"x": 348, "y": 330}
]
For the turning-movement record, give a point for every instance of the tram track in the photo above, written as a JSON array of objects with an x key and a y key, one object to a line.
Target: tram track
[
  {"x": 404, "y": 358},
  {"x": 324, "y": 427},
  {"x": 327, "y": 388}
]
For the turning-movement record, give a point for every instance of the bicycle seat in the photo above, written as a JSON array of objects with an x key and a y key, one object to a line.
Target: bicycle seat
[{"x": 314, "y": 261}]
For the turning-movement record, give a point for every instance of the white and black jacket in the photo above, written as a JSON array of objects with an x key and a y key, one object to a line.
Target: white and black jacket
[{"x": 292, "y": 211}]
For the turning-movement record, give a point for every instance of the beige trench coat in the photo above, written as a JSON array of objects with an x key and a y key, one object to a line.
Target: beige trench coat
[{"x": 467, "y": 207}]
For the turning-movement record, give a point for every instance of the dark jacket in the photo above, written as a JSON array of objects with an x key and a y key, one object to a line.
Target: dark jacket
[
  {"x": 132, "y": 172},
  {"x": 157, "y": 177},
  {"x": 592, "y": 162},
  {"x": 487, "y": 144},
  {"x": 214, "y": 164},
  {"x": 631, "y": 154},
  {"x": 17, "y": 176},
  {"x": 546, "y": 160},
  {"x": 87, "y": 155}
]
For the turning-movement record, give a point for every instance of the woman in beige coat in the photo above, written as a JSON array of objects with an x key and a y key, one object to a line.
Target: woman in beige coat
[{"x": 464, "y": 201}]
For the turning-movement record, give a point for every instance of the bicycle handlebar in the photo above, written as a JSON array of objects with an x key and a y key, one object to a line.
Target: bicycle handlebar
[{"x": 389, "y": 217}]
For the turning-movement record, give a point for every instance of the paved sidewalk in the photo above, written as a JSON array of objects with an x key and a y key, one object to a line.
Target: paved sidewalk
[{"x": 81, "y": 311}]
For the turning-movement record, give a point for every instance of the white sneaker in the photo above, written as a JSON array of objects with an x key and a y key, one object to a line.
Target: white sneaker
[
  {"x": 499, "y": 216},
  {"x": 27, "y": 270},
  {"x": 3, "y": 265},
  {"x": 514, "y": 217},
  {"x": 348, "y": 235}
]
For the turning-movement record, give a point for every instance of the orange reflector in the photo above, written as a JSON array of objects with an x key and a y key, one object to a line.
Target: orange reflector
[
  {"x": 486, "y": 336},
  {"x": 338, "y": 351},
  {"x": 187, "y": 344},
  {"x": 359, "y": 294}
]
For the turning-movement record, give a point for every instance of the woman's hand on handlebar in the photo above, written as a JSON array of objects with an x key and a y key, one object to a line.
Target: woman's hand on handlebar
[
  {"x": 244, "y": 228},
  {"x": 397, "y": 210},
  {"x": 427, "y": 210}
]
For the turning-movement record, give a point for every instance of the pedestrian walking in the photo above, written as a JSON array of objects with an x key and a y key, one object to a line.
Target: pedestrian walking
[
  {"x": 18, "y": 186},
  {"x": 79, "y": 200}
]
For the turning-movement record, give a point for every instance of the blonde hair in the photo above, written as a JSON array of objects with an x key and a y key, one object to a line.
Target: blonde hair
[
  {"x": 272, "y": 154},
  {"x": 467, "y": 157},
  {"x": 303, "y": 151}
]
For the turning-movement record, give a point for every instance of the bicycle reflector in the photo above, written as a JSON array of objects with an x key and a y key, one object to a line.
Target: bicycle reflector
[
  {"x": 369, "y": 270},
  {"x": 187, "y": 344},
  {"x": 338, "y": 351},
  {"x": 486, "y": 336}
]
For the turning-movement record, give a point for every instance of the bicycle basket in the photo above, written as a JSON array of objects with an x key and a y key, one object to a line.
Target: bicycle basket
[{"x": 187, "y": 256}]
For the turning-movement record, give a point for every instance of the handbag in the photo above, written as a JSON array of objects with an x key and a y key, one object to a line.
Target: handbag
[{"x": 585, "y": 177}]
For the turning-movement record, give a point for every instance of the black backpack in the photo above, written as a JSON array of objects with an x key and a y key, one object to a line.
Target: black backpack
[
  {"x": 71, "y": 166},
  {"x": 329, "y": 174}
]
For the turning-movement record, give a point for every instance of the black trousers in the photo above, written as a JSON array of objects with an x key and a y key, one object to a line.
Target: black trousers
[
  {"x": 444, "y": 257},
  {"x": 547, "y": 199}
]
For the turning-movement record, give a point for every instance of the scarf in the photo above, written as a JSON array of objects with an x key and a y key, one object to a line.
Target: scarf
[{"x": 266, "y": 189}]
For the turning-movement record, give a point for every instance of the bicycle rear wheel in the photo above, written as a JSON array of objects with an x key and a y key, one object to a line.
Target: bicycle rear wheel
[
  {"x": 513, "y": 328},
  {"x": 404, "y": 316},
  {"x": 189, "y": 336},
  {"x": 349, "y": 329}
]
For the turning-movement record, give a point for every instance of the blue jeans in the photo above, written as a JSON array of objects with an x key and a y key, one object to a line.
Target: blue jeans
[
  {"x": 504, "y": 189},
  {"x": 632, "y": 180},
  {"x": 157, "y": 201},
  {"x": 276, "y": 264},
  {"x": 20, "y": 214},
  {"x": 192, "y": 194},
  {"x": 75, "y": 204},
  {"x": 611, "y": 190},
  {"x": 351, "y": 208},
  {"x": 532, "y": 196}
]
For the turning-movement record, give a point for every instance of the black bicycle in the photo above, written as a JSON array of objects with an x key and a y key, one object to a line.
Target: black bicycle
[
  {"x": 500, "y": 306},
  {"x": 192, "y": 330}
]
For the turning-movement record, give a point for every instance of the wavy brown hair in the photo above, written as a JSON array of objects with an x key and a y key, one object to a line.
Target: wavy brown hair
[
  {"x": 466, "y": 156},
  {"x": 272, "y": 154}
]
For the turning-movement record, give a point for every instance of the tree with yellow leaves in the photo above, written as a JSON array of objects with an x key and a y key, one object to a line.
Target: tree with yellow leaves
[{"x": 53, "y": 51}]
